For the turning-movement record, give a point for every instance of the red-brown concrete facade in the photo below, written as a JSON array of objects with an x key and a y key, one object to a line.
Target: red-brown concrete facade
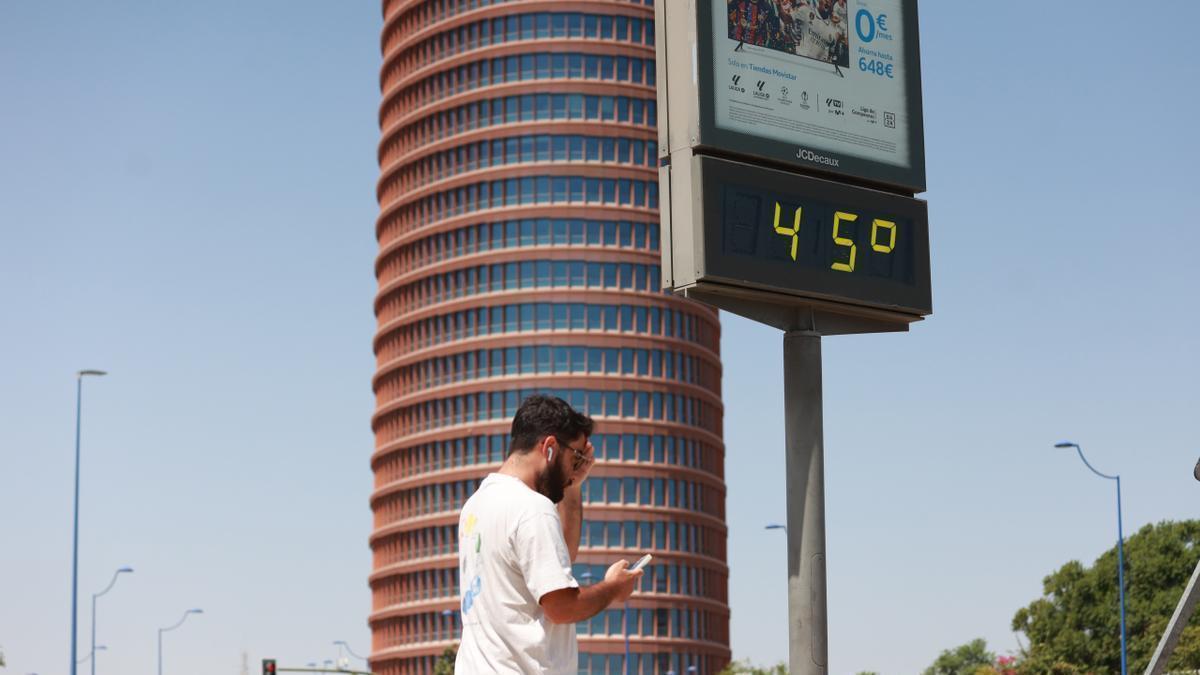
[{"x": 518, "y": 253}]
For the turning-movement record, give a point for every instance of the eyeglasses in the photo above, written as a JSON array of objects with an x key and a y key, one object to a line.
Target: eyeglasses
[{"x": 580, "y": 455}]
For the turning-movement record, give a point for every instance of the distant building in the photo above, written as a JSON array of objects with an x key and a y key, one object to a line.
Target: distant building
[{"x": 518, "y": 252}]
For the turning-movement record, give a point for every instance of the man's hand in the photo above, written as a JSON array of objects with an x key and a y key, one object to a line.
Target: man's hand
[
  {"x": 572, "y": 605},
  {"x": 570, "y": 509},
  {"x": 618, "y": 574},
  {"x": 583, "y": 465}
]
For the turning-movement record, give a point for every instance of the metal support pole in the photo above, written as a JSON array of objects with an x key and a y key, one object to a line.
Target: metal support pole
[
  {"x": 75, "y": 529},
  {"x": 1120, "y": 548},
  {"x": 807, "y": 626},
  {"x": 1121, "y": 580},
  {"x": 93, "y": 651},
  {"x": 1179, "y": 621},
  {"x": 628, "y": 668}
]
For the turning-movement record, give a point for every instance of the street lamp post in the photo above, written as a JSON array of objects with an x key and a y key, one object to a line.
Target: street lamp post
[
  {"x": 342, "y": 643},
  {"x": 94, "y": 596},
  {"x": 628, "y": 667},
  {"x": 92, "y": 655},
  {"x": 1120, "y": 547},
  {"x": 75, "y": 537},
  {"x": 587, "y": 575},
  {"x": 171, "y": 628}
]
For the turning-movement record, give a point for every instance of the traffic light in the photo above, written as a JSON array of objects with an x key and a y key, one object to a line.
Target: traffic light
[{"x": 268, "y": 667}]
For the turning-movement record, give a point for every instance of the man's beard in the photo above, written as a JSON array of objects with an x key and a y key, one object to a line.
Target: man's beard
[{"x": 552, "y": 482}]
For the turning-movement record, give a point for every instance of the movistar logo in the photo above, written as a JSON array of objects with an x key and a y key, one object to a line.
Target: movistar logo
[{"x": 810, "y": 156}]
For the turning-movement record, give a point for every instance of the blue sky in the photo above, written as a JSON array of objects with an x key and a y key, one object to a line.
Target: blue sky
[{"x": 187, "y": 200}]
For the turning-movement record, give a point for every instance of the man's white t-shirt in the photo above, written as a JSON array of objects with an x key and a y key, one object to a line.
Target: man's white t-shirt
[{"x": 511, "y": 552}]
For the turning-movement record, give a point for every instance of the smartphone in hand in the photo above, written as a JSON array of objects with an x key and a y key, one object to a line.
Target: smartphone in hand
[{"x": 642, "y": 562}]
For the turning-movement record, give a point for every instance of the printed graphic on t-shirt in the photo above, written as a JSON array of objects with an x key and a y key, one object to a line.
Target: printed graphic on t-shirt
[{"x": 470, "y": 563}]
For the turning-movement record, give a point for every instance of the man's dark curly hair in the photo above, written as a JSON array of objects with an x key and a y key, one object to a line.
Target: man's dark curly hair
[{"x": 541, "y": 416}]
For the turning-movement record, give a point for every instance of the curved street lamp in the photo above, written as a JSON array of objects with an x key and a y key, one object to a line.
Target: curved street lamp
[
  {"x": 75, "y": 537},
  {"x": 123, "y": 570},
  {"x": 171, "y": 628},
  {"x": 342, "y": 643},
  {"x": 1120, "y": 546}
]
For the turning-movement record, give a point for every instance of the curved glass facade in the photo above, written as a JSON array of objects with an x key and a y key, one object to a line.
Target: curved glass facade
[{"x": 518, "y": 253}]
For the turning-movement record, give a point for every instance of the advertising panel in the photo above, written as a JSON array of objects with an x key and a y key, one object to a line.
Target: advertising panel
[{"x": 829, "y": 85}]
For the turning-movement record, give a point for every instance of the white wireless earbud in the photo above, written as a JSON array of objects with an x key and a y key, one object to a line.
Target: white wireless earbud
[{"x": 550, "y": 454}]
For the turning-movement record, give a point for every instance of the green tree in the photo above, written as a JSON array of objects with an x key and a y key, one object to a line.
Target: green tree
[
  {"x": 745, "y": 668},
  {"x": 1075, "y": 626},
  {"x": 965, "y": 659},
  {"x": 445, "y": 663}
]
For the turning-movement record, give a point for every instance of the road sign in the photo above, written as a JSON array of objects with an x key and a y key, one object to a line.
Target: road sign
[{"x": 826, "y": 86}]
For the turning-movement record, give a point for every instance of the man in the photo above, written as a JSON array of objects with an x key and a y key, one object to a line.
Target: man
[
  {"x": 515, "y": 548},
  {"x": 823, "y": 31},
  {"x": 790, "y": 18},
  {"x": 757, "y": 22}
]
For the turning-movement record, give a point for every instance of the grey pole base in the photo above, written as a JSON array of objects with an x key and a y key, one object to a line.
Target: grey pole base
[{"x": 807, "y": 626}]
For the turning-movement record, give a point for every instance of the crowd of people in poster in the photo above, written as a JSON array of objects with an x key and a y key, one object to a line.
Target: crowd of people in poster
[{"x": 815, "y": 29}]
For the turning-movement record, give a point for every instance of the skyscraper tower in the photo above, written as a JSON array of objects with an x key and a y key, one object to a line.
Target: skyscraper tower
[{"x": 518, "y": 253}]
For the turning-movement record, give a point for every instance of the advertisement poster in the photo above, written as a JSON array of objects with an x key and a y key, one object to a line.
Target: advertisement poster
[{"x": 825, "y": 76}]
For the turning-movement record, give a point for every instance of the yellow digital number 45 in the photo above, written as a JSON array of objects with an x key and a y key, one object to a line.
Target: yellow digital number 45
[
  {"x": 838, "y": 218},
  {"x": 794, "y": 232}
]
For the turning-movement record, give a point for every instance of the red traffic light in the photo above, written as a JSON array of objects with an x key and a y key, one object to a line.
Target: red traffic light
[{"x": 268, "y": 667}]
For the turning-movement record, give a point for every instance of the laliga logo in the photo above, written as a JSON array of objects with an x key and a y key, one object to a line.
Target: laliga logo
[{"x": 734, "y": 87}]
